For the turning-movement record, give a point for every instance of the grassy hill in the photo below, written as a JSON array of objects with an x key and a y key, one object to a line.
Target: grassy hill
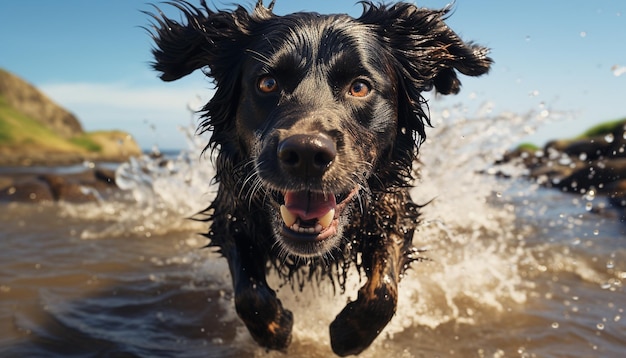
[{"x": 26, "y": 141}]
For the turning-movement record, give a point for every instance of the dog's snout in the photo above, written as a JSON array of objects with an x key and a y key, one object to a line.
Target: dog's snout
[{"x": 307, "y": 155}]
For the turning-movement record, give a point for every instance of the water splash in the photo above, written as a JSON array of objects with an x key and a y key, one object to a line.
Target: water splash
[
  {"x": 177, "y": 184},
  {"x": 618, "y": 70},
  {"x": 161, "y": 194},
  {"x": 483, "y": 235},
  {"x": 470, "y": 231}
]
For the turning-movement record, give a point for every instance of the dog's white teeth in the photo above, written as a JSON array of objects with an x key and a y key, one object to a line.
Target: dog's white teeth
[
  {"x": 291, "y": 221},
  {"x": 327, "y": 219},
  {"x": 288, "y": 217}
]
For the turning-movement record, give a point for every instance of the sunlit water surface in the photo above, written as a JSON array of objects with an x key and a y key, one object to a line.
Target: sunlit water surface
[{"x": 514, "y": 270}]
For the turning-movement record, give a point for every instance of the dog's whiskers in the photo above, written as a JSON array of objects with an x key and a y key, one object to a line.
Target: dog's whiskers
[{"x": 250, "y": 184}]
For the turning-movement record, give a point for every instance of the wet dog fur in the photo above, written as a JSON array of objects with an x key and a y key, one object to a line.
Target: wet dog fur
[{"x": 315, "y": 125}]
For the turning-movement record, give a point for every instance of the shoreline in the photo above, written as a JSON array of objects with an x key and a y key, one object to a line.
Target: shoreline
[
  {"x": 75, "y": 183},
  {"x": 73, "y": 179},
  {"x": 51, "y": 160}
]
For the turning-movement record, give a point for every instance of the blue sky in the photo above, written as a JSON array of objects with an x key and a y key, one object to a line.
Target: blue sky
[{"x": 92, "y": 57}]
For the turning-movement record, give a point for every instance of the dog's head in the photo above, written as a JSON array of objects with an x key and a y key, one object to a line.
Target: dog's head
[{"x": 312, "y": 109}]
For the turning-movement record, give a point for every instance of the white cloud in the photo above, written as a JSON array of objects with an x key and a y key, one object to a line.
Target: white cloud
[
  {"x": 120, "y": 95},
  {"x": 152, "y": 114}
]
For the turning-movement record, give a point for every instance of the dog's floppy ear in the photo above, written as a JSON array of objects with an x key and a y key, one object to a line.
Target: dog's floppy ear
[
  {"x": 425, "y": 54},
  {"x": 427, "y": 50},
  {"x": 206, "y": 39}
]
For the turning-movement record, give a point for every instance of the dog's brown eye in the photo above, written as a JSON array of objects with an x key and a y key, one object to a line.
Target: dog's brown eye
[
  {"x": 359, "y": 89},
  {"x": 268, "y": 84}
]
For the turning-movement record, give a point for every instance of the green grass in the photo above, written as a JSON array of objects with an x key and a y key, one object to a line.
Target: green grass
[
  {"x": 528, "y": 147},
  {"x": 20, "y": 131},
  {"x": 21, "y": 136},
  {"x": 5, "y": 135},
  {"x": 602, "y": 128},
  {"x": 598, "y": 130},
  {"x": 86, "y": 143},
  {"x": 5, "y": 128}
]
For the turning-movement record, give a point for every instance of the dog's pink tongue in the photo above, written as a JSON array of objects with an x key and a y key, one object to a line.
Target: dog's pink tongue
[{"x": 308, "y": 205}]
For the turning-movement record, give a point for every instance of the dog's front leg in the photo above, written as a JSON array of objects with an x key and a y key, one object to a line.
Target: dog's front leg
[
  {"x": 256, "y": 303},
  {"x": 360, "y": 322}
]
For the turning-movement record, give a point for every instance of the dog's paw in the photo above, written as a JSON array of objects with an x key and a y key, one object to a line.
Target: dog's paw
[
  {"x": 275, "y": 334},
  {"x": 279, "y": 330},
  {"x": 267, "y": 321},
  {"x": 359, "y": 323}
]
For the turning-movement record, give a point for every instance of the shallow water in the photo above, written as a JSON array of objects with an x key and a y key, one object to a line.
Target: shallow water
[{"x": 513, "y": 270}]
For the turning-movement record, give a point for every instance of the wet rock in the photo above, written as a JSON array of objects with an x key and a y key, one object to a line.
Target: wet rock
[
  {"x": 105, "y": 175},
  {"x": 528, "y": 157},
  {"x": 596, "y": 162},
  {"x": 77, "y": 187},
  {"x": 30, "y": 190},
  {"x": 5, "y": 181},
  {"x": 585, "y": 149},
  {"x": 616, "y": 192},
  {"x": 63, "y": 188},
  {"x": 595, "y": 175}
]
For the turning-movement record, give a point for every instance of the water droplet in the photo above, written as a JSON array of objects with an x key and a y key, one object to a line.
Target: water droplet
[
  {"x": 583, "y": 156},
  {"x": 583, "y": 34},
  {"x": 565, "y": 160},
  {"x": 618, "y": 70},
  {"x": 600, "y": 326},
  {"x": 555, "y": 325},
  {"x": 589, "y": 206},
  {"x": 596, "y": 232},
  {"x": 609, "y": 138}
]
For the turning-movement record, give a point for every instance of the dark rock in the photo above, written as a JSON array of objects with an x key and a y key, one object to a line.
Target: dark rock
[
  {"x": 598, "y": 175},
  {"x": 618, "y": 146},
  {"x": 596, "y": 163},
  {"x": 616, "y": 192},
  {"x": 29, "y": 189},
  {"x": 105, "y": 175},
  {"x": 529, "y": 158},
  {"x": 63, "y": 188},
  {"x": 587, "y": 149},
  {"x": 5, "y": 181}
]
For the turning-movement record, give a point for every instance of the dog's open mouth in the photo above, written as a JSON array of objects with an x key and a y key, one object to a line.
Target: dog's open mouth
[{"x": 312, "y": 216}]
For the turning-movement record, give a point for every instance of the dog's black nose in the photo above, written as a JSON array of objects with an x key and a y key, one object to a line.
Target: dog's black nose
[{"x": 306, "y": 155}]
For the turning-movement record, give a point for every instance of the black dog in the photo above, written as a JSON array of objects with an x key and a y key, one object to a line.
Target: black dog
[{"x": 316, "y": 122}]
